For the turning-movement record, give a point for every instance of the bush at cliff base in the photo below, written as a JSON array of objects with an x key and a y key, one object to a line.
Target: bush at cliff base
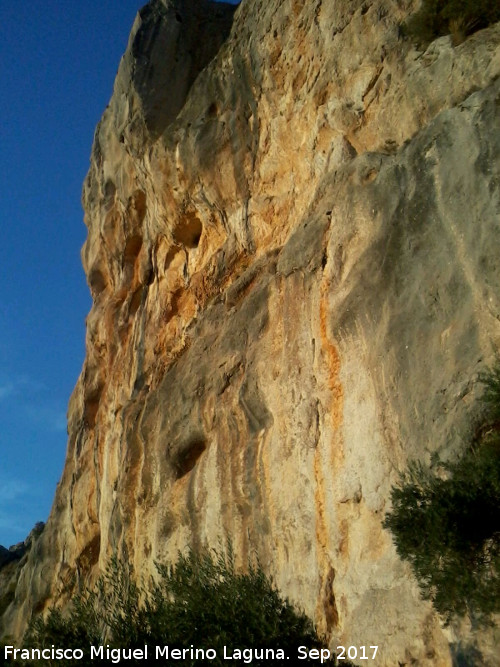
[
  {"x": 201, "y": 601},
  {"x": 447, "y": 525},
  {"x": 442, "y": 17}
]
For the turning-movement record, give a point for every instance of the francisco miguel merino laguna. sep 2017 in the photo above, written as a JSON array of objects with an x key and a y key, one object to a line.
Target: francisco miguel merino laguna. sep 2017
[{"x": 116, "y": 655}]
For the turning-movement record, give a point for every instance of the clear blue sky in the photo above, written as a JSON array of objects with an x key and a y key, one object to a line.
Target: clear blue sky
[{"x": 58, "y": 63}]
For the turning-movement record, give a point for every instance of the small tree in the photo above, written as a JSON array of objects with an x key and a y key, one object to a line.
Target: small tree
[
  {"x": 448, "y": 527},
  {"x": 110, "y": 610},
  {"x": 201, "y": 601},
  {"x": 459, "y": 17}
]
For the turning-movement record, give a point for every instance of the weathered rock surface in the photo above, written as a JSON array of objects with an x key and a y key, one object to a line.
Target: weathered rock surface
[
  {"x": 12, "y": 560},
  {"x": 293, "y": 237}
]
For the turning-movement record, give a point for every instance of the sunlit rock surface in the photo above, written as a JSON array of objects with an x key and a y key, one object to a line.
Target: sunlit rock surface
[{"x": 293, "y": 242}]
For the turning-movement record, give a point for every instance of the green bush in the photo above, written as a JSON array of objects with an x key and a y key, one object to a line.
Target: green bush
[
  {"x": 459, "y": 17},
  {"x": 201, "y": 601},
  {"x": 448, "y": 526}
]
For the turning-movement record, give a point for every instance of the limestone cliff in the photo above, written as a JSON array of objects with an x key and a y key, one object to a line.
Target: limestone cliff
[{"x": 293, "y": 237}]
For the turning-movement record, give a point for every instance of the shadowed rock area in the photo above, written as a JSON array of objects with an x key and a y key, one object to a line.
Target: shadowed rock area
[
  {"x": 293, "y": 240},
  {"x": 11, "y": 562},
  {"x": 170, "y": 44}
]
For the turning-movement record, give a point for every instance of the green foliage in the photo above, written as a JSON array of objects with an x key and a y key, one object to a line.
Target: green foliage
[
  {"x": 6, "y": 641},
  {"x": 201, "y": 601},
  {"x": 491, "y": 396},
  {"x": 460, "y": 17},
  {"x": 110, "y": 609},
  {"x": 207, "y": 600},
  {"x": 448, "y": 526}
]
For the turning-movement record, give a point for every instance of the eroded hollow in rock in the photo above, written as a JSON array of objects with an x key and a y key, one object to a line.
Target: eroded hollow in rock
[
  {"x": 135, "y": 301},
  {"x": 89, "y": 555},
  {"x": 132, "y": 249},
  {"x": 136, "y": 207},
  {"x": 188, "y": 231},
  {"x": 97, "y": 282},
  {"x": 187, "y": 457},
  {"x": 92, "y": 406}
]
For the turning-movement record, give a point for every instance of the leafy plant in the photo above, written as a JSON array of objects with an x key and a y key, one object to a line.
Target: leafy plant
[
  {"x": 491, "y": 396},
  {"x": 201, "y": 601},
  {"x": 459, "y": 17},
  {"x": 448, "y": 526}
]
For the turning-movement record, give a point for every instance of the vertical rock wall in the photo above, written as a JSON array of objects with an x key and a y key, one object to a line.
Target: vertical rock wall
[{"x": 293, "y": 234}]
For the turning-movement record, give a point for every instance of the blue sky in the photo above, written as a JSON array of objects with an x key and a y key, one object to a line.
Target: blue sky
[{"x": 58, "y": 63}]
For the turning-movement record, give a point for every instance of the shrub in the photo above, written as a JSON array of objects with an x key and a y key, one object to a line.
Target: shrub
[
  {"x": 459, "y": 17},
  {"x": 6, "y": 641},
  {"x": 201, "y": 601},
  {"x": 448, "y": 527}
]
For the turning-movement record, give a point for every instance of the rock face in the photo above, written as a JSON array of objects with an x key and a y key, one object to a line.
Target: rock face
[
  {"x": 12, "y": 560},
  {"x": 293, "y": 236}
]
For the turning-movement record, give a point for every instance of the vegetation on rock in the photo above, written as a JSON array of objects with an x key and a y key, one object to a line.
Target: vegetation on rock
[
  {"x": 458, "y": 17},
  {"x": 199, "y": 602},
  {"x": 447, "y": 524}
]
